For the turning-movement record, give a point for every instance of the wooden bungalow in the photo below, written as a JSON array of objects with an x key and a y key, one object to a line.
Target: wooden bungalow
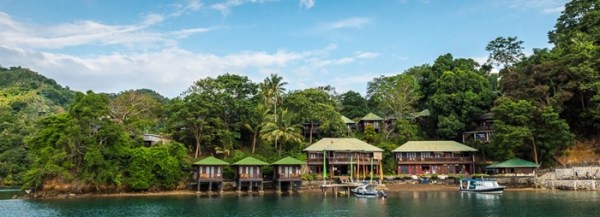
[
  {"x": 344, "y": 157},
  {"x": 434, "y": 157},
  {"x": 248, "y": 174},
  {"x": 513, "y": 167},
  {"x": 350, "y": 124},
  {"x": 288, "y": 171},
  {"x": 370, "y": 119},
  {"x": 481, "y": 129},
  {"x": 210, "y": 171}
]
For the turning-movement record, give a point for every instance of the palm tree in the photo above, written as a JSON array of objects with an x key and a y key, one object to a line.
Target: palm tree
[
  {"x": 283, "y": 130},
  {"x": 272, "y": 89},
  {"x": 256, "y": 122}
]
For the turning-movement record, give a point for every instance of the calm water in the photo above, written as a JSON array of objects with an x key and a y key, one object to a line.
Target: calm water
[{"x": 313, "y": 204}]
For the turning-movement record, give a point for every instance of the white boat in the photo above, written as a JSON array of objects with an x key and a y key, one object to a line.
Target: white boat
[
  {"x": 368, "y": 191},
  {"x": 480, "y": 186}
]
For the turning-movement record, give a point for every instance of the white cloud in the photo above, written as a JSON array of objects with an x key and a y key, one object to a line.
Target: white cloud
[
  {"x": 366, "y": 55},
  {"x": 225, "y": 7},
  {"x": 88, "y": 32},
  {"x": 307, "y": 3},
  {"x": 555, "y": 10},
  {"x": 543, "y": 6},
  {"x": 354, "y": 22},
  {"x": 170, "y": 71}
]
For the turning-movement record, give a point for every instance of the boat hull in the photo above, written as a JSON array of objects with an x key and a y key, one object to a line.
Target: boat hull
[
  {"x": 369, "y": 195},
  {"x": 494, "y": 190}
]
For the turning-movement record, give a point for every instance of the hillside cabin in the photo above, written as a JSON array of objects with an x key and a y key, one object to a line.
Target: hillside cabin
[
  {"x": 350, "y": 124},
  {"x": 370, "y": 119},
  {"x": 209, "y": 171},
  {"x": 481, "y": 129},
  {"x": 349, "y": 157},
  {"x": 248, "y": 174},
  {"x": 434, "y": 157}
]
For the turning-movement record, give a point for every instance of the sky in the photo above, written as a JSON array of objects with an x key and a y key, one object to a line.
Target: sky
[{"x": 115, "y": 45}]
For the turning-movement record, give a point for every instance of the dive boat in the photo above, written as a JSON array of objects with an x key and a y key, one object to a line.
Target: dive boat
[
  {"x": 368, "y": 191},
  {"x": 480, "y": 186}
]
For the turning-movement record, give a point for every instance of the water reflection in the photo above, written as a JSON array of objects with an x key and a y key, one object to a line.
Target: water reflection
[{"x": 451, "y": 203}]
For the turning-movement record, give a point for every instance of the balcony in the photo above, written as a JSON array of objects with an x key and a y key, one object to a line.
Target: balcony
[
  {"x": 249, "y": 176},
  {"x": 434, "y": 160},
  {"x": 288, "y": 177},
  {"x": 210, "y": 177}
]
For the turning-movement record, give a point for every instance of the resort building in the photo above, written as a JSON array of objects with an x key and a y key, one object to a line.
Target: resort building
[
  {"x": 350, "y": 124},
  {"x": 513, "y": 167},
  {"x": 370, "y": 119},
  {"x": 481, "y": 130},
  {"x": 248, "y": 173},
  {"x": 434, "y": 157},
  {"x": 209, "y": 171},
  {"x": 153, "y": 139},
  {"x": 344, "y": 157},
  {"x": 287, "y": 171}
]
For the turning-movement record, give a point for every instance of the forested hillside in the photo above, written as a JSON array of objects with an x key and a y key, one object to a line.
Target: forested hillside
[
  {"x": 25, "y": 97},
  {"x": 541, "y": 104}
]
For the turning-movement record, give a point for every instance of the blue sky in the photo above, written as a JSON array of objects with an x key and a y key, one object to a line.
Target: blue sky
[{"x": 111, "y": 46}]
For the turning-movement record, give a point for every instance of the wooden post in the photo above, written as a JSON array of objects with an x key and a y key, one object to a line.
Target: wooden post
[{"x": 220, "y": 187}]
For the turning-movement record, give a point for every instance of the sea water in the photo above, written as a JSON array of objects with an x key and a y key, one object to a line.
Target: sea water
[{"x": 544, "y": 203}]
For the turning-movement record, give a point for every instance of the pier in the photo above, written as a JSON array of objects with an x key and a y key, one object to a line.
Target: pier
[{"x": 341, "y": 188}]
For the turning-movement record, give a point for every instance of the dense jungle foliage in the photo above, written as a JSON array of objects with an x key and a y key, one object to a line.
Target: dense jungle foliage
[{"x": 540, "y": 102}]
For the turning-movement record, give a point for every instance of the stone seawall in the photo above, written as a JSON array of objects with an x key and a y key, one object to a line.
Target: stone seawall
[
  {"x": 571, "y": 179},
  {"x": 516, "y": 181}
]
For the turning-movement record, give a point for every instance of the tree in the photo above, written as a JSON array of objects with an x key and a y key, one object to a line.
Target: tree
[
  {"x": 460, "y": 95},
  {"x": 283, "y": 130},
  {"x": 313, "y": 106},
  {"x": 513, "y": 128},
  {"x": 522, "y": 129},
  {"x": 396, "y": 95},
  {"x": 271, "y": 89},
  {"x": 213, "y": 111},
  {"x": 256, "y": 122},
  {"x": 136, "y": 111},
  {"x": 505, "y": 52},
  {"x": 190, "y": 116},
  {"x": 353, "y": 105}
]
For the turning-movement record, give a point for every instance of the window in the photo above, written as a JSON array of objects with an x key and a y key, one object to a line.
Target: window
[
  {"x": 426, "y": 154},
  {"x": 411, "y": 154}
]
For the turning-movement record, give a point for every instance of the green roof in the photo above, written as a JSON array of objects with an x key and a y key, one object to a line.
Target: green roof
[
  {"x": 433, "y": 146},
  {"x": 211, "y": 161},
  {"x": 250, "y": 161},
  {"x": 513, "y": 163},
  {"x": 342, "y": 144},
  {"x": 371, "y": 117},
  {"x": 424, "y": 113},
  {"x": 288, "y": 161},
  {"x": 347, "y": 120}
]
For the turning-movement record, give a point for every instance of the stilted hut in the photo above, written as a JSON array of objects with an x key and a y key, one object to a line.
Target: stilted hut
[
  {"x": 287, "y": 171},
  {"x": 210, "y": 170},
  {"x": 248, "y": 174}
]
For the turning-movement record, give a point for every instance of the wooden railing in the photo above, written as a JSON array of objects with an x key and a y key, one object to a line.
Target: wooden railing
[
  {"x": 287, "y": 176},
  {"x": 249, "y": 176},
  {"x": 434, "y": 159},
  {"x": 341, "y": 160},
  {"x": 209, "y": 176}
]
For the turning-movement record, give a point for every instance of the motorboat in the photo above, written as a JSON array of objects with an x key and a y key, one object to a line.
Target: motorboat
[
  {"x": 368, "y": 191},
  {"x": 480, "y": 186}
]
